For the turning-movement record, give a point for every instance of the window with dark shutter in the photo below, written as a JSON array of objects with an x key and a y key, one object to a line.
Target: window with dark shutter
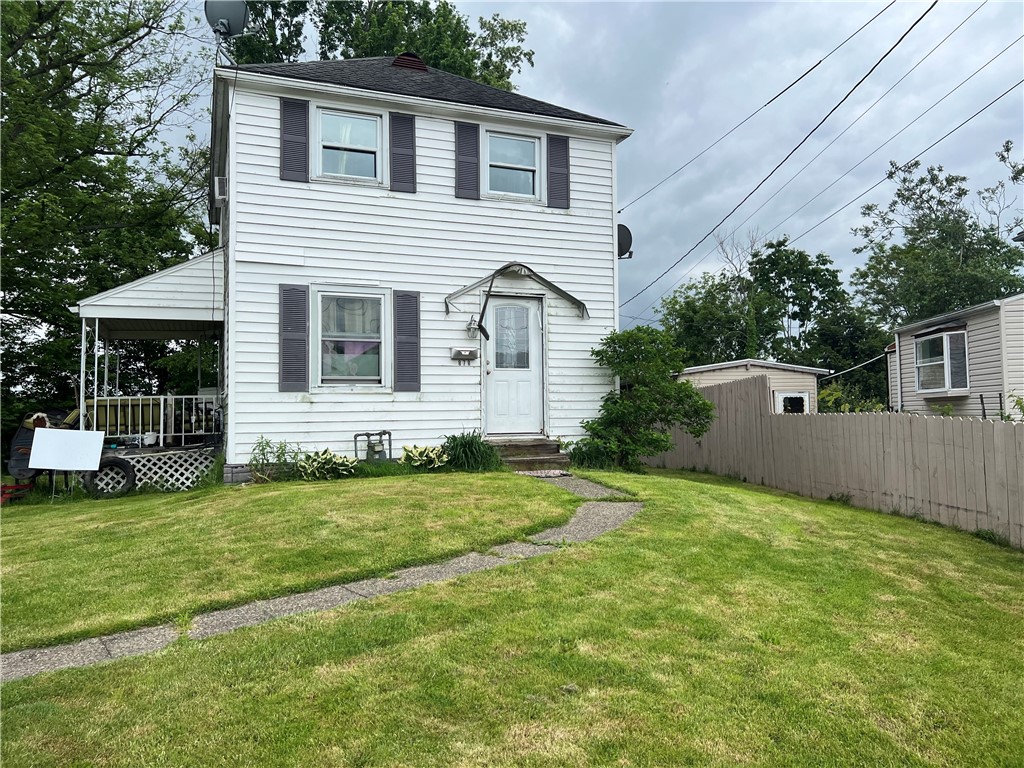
[
  {"x": 467, "y": 161},
  {"x": 558, "y": 171},
  {"x": 407, "y": 341},
  {"x": 403, "y": 152},
  {"x": 294, "y": 140},
  {"x": 293, "y": 338}
]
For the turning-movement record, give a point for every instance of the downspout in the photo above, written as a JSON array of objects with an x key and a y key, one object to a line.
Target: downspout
[{"x": 899, "y": 376}]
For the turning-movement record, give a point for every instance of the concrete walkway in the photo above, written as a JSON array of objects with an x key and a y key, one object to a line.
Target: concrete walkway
[{"x": 590, "y": 521}]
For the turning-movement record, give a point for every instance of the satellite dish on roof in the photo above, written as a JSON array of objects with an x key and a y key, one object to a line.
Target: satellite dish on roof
[
  {"x": 625, "y": 242},
  {"x": 227, "y": 18}
]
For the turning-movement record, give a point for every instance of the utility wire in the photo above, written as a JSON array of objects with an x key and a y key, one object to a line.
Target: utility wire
[
  {"x": 854, "y": 167},
  {"x": 756, "y": 111},
  {"x": 873, "y": 105},
  {"x": 789, "y": 155},
  {"x": 861, "y": 365},
  {"x": 883, "y": 179},
  {"x": 915, "y": 157},
  {"x": 895, "y": 135}
]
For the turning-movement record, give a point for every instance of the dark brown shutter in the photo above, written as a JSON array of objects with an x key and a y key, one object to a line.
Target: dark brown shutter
[
  {"x": 294, "y": 140},
  {"x": 558, "y": 171},
  {"x": 293, "y": 338},
  {"x": 467, "y": 161},
  {"x": 407, "y": 341},
  {"x": 403, "y": 152}
]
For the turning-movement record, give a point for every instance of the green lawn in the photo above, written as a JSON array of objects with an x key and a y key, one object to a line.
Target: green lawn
[
  {"x": 93, "y": 567},
  {"x": 723, "y": 625}
]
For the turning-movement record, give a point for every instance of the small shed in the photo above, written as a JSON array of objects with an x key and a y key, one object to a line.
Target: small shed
[{"x": 794, "y": 387}]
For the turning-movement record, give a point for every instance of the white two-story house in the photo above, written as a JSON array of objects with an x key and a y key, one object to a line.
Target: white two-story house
[{"x": 403, "y": 249}]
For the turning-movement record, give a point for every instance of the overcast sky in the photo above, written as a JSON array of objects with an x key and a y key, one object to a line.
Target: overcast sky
[{"x": 681, "y": 74}]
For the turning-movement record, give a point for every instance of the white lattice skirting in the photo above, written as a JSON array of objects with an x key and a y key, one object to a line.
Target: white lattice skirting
[{"x": 173, "y": 471}]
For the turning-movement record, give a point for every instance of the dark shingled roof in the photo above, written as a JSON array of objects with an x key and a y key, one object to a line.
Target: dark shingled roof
[{"x": 378, "y": 74}]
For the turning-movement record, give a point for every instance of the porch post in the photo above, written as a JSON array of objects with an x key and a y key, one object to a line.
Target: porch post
[
  {"x": 96, "y": 363},
  {"x": 81, "y": 380}
]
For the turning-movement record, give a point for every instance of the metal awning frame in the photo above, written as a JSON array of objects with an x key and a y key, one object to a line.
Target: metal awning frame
[{"x": 523, "y": 271}]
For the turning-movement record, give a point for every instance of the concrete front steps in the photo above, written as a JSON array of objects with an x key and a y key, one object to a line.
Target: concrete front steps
[{"x": 530, "y": 454}]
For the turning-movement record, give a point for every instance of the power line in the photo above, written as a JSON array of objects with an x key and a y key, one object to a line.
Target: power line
[
  {"x": 861, "y": 365},
  {"x": 860, "y": 162},
  {"x": 756, "y": 111},
  {"x": 789, "y": 155},
  {"x": 886, "y": 177},
  {"x": 915, "y": 157},
  {"x": 897, "y": 134},
  {"x": 873, "y": 105}
]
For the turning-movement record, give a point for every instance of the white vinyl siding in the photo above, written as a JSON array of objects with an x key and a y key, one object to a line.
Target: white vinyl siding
[
  {"x": 431, "y": 242},
  {"x": 192, "y": 290}
]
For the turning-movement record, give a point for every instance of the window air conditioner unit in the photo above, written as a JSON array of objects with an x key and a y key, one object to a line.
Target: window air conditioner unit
[{"x": 220, "y": 189}]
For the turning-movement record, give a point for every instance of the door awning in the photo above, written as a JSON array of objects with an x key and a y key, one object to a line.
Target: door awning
[{"x": 514, "y": 267}]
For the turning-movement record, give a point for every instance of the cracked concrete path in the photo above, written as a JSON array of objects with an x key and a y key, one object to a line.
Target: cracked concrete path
[{"x": 591, "y": 520}]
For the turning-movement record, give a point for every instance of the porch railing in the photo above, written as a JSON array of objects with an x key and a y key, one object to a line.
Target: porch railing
[{"x": 156, "y": 420}]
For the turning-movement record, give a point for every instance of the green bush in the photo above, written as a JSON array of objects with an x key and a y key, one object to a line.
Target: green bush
[
  {"x": 469, "y": 452},
  {"x": 424, "y": 457},
  {"x": 591, "y": 453},
  {"x": 637, "y": 420},
  {"x": 273, "y": 461},
  {"x": 325, "y": 465}
]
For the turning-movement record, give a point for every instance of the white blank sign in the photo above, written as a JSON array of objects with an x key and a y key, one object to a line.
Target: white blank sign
[{"x": 66, "y": 449}]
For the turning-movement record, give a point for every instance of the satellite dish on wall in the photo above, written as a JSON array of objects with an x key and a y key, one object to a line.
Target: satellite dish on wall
[
  {"x": 625, "y": 242},
  {"x": 227, "y": 18}
]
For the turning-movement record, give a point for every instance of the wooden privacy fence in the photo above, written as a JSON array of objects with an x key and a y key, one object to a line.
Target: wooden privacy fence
[{"x": 967, "y": 473}]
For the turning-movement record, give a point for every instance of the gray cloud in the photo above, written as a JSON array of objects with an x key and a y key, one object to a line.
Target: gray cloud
[{"x": 682, "y": 74}]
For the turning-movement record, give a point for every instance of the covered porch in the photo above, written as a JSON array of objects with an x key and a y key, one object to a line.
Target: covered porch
[{"x": 181, "y": 303}]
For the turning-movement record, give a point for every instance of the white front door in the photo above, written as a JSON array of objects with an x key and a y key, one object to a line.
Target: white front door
[{"x": 513, "y": 367}]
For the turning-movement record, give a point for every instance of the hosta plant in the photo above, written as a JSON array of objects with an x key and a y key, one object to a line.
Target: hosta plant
[
  {"x": 424, "y": 457},
  {"x": 325, "y": 465}
]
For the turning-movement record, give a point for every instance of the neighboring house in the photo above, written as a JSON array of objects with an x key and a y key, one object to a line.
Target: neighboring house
[
  {"x": 379, "y": 218},
  {"x": 971, "y": 360},
  {"x": 794, "y": 387}
]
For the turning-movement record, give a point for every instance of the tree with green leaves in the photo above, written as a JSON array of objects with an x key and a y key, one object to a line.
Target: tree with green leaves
[
  {"x": 348, "y": 29},
  {"x": 637, "y": 420},
  {"x": 805, "y": 287},
  {"x": 94, "y": 195},
  {"x": 929, "y": 252},
  {"x": 274, "y": 32},
  {"x": 720, "y": 317}
]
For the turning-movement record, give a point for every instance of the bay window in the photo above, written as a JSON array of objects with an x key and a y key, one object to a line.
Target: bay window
[{"x": 941, "y": 362}]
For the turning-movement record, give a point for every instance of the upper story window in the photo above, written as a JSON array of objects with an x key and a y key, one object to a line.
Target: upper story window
[
  {"x": 941, "y": 362},
  {"x": 512, "y": 163},
  {"x": 350, "y": 145}
]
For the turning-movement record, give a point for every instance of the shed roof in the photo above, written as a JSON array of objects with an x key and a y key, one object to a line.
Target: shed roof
[
  {"x": 380, "y": 73},
  {"x": 185, "y": 301},
  {"x": 749, "y": 361}
]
